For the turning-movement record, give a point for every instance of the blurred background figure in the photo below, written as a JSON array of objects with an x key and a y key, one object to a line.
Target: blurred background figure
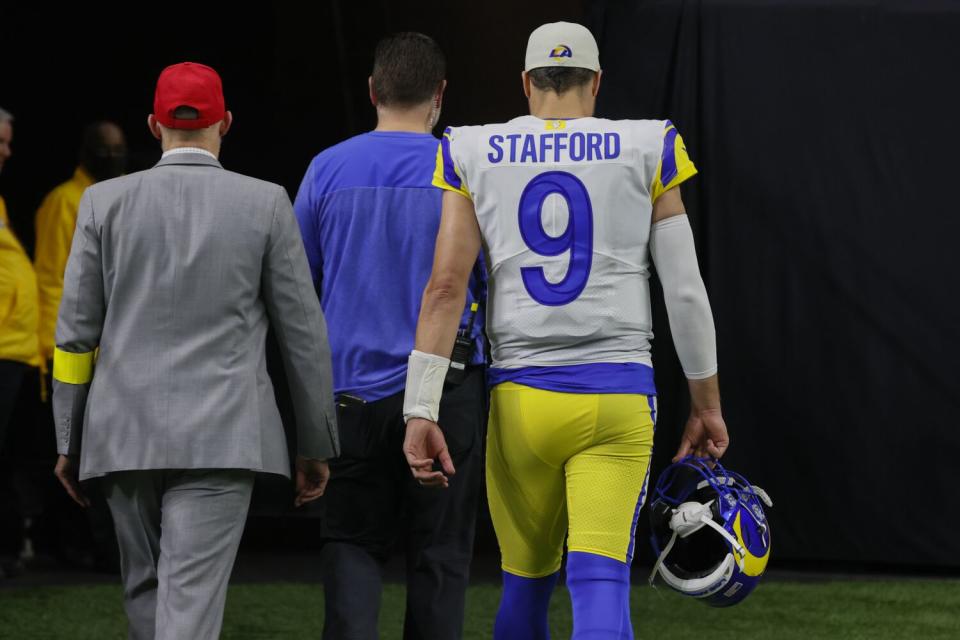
[
  {"x": 47, "y": 520},
  {"x": 18, "y": 341},
  {"x": 103, "y": 155}
]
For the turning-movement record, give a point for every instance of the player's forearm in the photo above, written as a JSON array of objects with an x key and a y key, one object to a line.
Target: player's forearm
[
  {"x": 440, "y": 313},
  {"x": 705, "y": 394},
  {"x": 458, "y": 242}
]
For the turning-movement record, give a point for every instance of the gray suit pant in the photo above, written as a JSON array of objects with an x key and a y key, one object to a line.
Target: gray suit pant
[{"x": 175, "y": 583}]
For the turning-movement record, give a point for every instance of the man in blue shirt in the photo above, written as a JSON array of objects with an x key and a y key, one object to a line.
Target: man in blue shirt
[{"x": 369, "y": 217}]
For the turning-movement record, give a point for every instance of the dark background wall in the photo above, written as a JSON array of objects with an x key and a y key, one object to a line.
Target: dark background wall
[
  {"x": 295, "y": 77},
  {"x": 824, "y": 132},
  {"x": 826, "y": 136}
]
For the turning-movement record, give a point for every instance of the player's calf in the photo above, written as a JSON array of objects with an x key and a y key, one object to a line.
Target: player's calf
[
  {"x": 600, "y": 593},
  {"x": 523, "y": 608}
]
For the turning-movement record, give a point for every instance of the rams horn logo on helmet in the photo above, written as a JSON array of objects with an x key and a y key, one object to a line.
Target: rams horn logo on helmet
[{"x": 561, "y": 51}]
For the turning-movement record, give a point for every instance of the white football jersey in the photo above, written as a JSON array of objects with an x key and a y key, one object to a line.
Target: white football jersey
[{"x": 564, "y": 207}]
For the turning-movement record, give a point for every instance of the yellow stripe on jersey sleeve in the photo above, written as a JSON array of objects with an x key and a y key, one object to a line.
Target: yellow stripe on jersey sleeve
[
  {"x": 445, "y": 175},
  {"x": 674, "y": 166}
]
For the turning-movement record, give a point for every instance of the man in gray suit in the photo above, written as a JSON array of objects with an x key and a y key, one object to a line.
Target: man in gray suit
[{"x": 173, "y": 277}]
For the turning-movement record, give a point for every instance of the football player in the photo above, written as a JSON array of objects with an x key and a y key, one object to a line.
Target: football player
[{"x": 569, "y": 210}]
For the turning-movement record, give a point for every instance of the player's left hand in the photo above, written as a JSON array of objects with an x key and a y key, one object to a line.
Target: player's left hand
[
  {"x": 424, "y": 443},
  {"x": 68, "y": 473},
  {"x": 705, "y": 435}
]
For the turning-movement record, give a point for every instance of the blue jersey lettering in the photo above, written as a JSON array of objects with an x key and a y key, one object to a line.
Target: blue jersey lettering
[
  {"x": 497, "y": 154},
  {"x": 556, "y": 146}
]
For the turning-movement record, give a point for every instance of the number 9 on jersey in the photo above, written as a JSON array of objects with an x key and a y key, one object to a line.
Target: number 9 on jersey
[{"x": 577, "y": 238}]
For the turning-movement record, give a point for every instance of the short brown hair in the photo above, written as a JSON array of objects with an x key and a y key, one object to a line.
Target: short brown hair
[
  {"x": 408, "y": 68},
  {"x": 559, "y": 79}
]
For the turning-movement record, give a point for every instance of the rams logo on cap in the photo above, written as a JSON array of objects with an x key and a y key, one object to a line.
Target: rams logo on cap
[{"x": 561, "y": 51}]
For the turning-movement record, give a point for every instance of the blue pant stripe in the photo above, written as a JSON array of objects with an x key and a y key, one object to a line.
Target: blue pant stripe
[{"x": 651, "y": 400}]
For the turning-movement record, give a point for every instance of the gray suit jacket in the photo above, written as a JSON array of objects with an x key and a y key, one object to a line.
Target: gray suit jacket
[{"x": 174, "y": 275}]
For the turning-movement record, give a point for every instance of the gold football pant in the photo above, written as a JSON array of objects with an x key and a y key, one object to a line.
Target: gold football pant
[{"x": 566, "y": 465}]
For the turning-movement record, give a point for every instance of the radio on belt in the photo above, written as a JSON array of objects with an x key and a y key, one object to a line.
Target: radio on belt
[{"x": 462, "y": 350}]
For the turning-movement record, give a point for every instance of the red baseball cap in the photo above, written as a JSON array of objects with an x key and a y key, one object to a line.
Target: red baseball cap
[{"x": 189, "y": 84}]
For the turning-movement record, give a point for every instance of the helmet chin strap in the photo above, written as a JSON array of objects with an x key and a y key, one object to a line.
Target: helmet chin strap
[
  {"x": 737, "y": 547},
  {"x": 687, "y": 519},
  {"x": 663, "y": 556}
]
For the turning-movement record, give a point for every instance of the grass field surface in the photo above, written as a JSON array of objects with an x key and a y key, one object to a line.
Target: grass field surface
[{"x": 847, "y": 610}]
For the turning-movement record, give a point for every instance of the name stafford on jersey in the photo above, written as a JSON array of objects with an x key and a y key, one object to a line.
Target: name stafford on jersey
[{"x": 557, "y": 146}]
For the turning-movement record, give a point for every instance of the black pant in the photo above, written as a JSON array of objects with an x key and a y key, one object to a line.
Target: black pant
[
  {"x": 74, "y": 536},
  {"x": 373, "y": 502},
  {"x": 11, "y": 377}
]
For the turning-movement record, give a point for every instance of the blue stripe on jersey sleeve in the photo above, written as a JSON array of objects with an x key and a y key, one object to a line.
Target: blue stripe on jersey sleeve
[{"x": 668, "y": 159}]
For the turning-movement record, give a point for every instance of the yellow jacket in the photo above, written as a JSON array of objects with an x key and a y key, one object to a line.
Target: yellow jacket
[
  {"x": 18, "y": 298},
  {"x": 56, "y": 220}
]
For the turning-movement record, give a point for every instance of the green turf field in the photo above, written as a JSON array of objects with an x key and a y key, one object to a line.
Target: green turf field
[{"x": 907, "y": 610}]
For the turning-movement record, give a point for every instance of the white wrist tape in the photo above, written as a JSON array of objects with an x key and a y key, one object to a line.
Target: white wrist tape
[
  {"x": 691, "y": 321},
  {"x": 425, "y": 375}
]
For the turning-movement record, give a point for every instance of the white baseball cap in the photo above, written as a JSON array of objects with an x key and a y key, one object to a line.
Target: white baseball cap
[{"x": 562, "y": 44}]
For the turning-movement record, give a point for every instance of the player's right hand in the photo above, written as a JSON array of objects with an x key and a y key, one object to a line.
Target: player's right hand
[
  {"x": 424, "y": 443},
  {"x": 705, "y": 435}
]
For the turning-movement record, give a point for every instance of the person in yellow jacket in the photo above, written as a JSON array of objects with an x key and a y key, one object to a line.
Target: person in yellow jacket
[
  {"x": 103, "y": 155},
  {"x": 18, "y": 301}
]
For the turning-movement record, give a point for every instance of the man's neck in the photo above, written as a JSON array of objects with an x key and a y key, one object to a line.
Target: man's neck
[
  {"x": 415, "y": 120},
  {"x": 214, "y": 149},
  {"x": 550, "y": 106}
]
